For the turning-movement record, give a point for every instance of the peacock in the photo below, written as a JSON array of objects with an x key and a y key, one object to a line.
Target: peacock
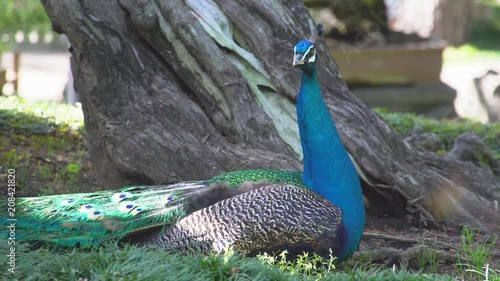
[{"x": 250, "y": 210}]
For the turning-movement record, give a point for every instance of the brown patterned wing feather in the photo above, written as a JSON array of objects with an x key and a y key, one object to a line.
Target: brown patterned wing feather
[{"x": 273, "y": 217}]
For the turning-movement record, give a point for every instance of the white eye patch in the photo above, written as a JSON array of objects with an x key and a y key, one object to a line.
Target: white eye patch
[
  {"x": 310, "y": 54},
  {"x": 313, "y": 56}
]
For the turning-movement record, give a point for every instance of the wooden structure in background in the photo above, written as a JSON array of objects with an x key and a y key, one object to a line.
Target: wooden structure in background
[
  {"x": 402, "y": 77},
  {"x": 395, "y": 64}
]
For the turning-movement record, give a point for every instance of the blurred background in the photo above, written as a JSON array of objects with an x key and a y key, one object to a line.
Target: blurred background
[
  {"x": 439, "y": 58},
  {"x": 434, "y": 57}
]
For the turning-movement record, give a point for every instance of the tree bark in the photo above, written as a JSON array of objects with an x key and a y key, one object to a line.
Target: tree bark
[
  {"x": 180, "y": 90},
  {"x": 453, "y": 21}
]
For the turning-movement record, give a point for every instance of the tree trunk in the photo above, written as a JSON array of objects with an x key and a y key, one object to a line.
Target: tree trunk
[
  {"x": 450, "y": 20},
  {"x": 180, "y": 90},
  {"x": 453, "y": 21}
]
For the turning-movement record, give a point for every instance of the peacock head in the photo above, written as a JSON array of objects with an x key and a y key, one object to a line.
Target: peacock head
[{"x": 304, "y": 53}]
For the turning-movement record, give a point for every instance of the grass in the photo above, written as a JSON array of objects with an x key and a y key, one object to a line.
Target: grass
[
  {"x": 477, "y": 255},
  {"x": 468, "y": 53},
  {"x": 43, "y": 142},
  {"x": 447, "y": 130},
  {"x": 128, "y": 262},
  {"x": 112, "y": 262},
  {"x": 21, "y": 116}
]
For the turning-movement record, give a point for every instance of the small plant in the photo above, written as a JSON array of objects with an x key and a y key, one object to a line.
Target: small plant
[
  {"x": 11, "y": 158},
  {"x": 428, "y": 257},
  {"x": 72, "y": 171},
  {"x": 486, "y": 274},
  {"x": 477, "y": 255},
  {"x": 433, "y": 261},
  {"x": 312, "y": 267}
]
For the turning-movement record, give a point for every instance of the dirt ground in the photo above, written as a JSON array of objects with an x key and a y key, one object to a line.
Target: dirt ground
[{"x": 401, "y": 242}]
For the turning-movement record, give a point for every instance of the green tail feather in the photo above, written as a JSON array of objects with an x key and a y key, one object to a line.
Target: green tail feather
[{"x": 87, "y": 219}]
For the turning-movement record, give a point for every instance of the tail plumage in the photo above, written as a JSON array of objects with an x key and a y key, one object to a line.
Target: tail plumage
[{"x": 87, "y": 219}]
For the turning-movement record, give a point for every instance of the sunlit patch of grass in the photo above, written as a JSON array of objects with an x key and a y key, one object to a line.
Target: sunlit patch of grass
[
  {"x": 20, "y": 115},
  {"x": 468, "y": 53},
  {"x": 43, "y": 142}
]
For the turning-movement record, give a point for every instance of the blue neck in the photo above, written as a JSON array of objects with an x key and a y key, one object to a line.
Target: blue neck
[{"x": 328, "y": 170}]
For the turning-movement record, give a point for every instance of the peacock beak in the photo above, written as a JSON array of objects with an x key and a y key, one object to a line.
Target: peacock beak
[{"x": 297, "y": 59}]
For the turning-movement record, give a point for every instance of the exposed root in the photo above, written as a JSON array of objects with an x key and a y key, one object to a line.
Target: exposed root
[
  {"x": 430, "y": 241},
  {"x": 406, "y": 257},
  {"x": 414, "y": 252}
]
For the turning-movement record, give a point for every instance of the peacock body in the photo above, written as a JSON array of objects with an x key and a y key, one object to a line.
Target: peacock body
[
  {"x": 251, "y": 210},
  {"x": 328, "y": 169}
]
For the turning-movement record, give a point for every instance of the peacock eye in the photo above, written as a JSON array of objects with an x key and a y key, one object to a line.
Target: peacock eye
[
  {"x": 167, "y": 198},
  {"x": 136, "y": 211},
  {"x": 67, "y": 202},
  {"x": 126, "y": 207},
  {"x": 118, "y": 197},
  {"x": 95, "y": 215}
]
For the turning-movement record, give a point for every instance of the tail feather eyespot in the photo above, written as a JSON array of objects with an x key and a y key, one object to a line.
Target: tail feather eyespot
[
  {"x": 118, "y": 197},
  {"x": 137, "y": 211},
  {"x": 168, "y": 198},
  {"x": 67, "y": 202},
  {"x": 111, "y": 224},
  {"x": 86, "y": 208},
  {"x": 127, "y": 207},
  {"x": 95, "y": 215}
]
